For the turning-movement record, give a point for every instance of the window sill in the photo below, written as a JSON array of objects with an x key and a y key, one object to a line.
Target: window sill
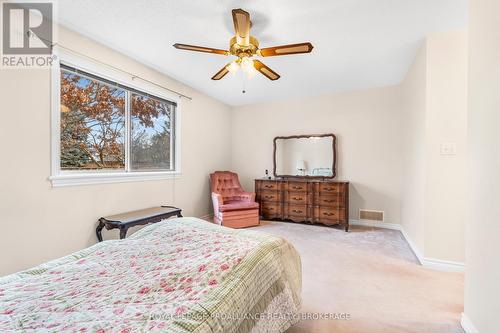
[{"x": 109, "y": 178}]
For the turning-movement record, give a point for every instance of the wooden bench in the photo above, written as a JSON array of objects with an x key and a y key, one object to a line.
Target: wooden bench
[{"x": 138, "y": 217}]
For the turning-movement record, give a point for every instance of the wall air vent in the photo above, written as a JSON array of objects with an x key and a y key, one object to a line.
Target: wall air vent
[{"x": 373, "y": 215}]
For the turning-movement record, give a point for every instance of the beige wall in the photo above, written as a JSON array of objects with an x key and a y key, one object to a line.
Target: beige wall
[
  {"x": 40, "y": 222},
  {"x": 482, "y": 276},
  {"x": 435, "y": 103},
  {"x": 446, "y": 122},
  {"x": 414, "y": 97},
  {"x": 368, "y": 129}
]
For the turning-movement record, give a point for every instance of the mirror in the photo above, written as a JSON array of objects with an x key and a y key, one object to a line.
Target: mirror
[{"x": 311, "y": 156}]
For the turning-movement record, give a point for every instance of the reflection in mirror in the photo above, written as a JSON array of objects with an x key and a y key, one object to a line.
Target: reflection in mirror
[{"x": 309, "y": 156}]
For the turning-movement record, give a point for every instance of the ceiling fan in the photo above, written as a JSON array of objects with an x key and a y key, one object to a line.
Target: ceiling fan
[{"x": 245, "y": 47}]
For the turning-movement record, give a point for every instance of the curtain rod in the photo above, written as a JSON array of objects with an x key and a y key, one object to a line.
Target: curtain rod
[{"x": 117, "y": 69}]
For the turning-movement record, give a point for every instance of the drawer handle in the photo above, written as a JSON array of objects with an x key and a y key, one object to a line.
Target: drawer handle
[
  {"x": 328, "y": 214},
  {"x": 328, "y": 200},
  {"x": 297, "y": 187},
  {"x": 328, "y": 189},
  {"x": 269, "y": 196},
  {"x": 298, "y": 199},
  {"x": 296, "y": 211},
  {"x": 269, "y": 208},
  {"x": 268, "y": 186}
]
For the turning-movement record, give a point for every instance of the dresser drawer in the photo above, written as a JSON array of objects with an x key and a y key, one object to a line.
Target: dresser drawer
[
  {"x": 297, "y": 198},
  {"x": 329, "y": 214},
  {"x": 297, "y": 212},
  {"x": 330, "y": 188},
  {"x": 270, "y": 196},
  {"x": 328, "y": 200},
  {"x": 269, "y": 185},
  {"x": 296, "y": 186},
  {"x": 270, "y": 209}
]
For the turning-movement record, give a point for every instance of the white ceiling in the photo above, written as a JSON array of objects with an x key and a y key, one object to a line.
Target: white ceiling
[{"x": 358, "y": 44}]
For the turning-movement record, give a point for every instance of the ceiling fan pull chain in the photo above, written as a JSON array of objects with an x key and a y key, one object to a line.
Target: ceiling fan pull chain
[{"x": 244, "y": 78}]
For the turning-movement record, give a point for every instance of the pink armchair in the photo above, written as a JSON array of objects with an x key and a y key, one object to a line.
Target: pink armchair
[{"x": 233, "y": 207}]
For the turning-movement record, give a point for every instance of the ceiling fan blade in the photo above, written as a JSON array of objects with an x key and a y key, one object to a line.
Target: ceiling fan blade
[
  {"x": 220, "y": 74},
  {"x": 266, "y": 71},
  {"x": 241, "y": 20},
  {"x": 200, "y": 49},
  {"x": 286, "y": 49}
]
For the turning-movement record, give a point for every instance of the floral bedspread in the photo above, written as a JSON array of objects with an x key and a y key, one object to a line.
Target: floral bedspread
[{"x": 179, "y": 275}]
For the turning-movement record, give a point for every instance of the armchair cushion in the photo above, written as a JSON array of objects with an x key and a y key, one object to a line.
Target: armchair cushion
[
  {"x": 227, "y": 184},
  {"x": 244, "y": 196}
]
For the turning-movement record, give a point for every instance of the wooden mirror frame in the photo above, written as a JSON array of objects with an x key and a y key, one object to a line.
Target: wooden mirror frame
[{"x": 334, "y": 149}]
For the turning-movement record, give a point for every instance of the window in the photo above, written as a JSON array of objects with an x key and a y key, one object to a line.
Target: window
[
  {"x": 92, "y": 123},
  {"x": 108, "y": 129},
  {"x": 151, "y": 133}
]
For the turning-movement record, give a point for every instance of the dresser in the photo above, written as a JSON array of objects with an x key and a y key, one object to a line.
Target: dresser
[{"x": 304, "y": 200}]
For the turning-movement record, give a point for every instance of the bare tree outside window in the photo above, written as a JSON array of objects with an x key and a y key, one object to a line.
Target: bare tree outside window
[
  {"x": 151, "y": 133},
  {"x": 92, "y": 124}
]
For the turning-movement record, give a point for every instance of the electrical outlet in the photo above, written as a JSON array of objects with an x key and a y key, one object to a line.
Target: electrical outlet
[{"x": 448, "y": 149}]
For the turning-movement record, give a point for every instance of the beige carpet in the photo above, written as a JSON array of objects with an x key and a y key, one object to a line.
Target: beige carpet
[{"x": 372, "y": 275}]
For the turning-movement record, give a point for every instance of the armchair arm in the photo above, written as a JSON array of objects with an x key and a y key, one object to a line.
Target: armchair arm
[
  {"x": 217, "y": 201},
  {"x": 247, "y": 196}
]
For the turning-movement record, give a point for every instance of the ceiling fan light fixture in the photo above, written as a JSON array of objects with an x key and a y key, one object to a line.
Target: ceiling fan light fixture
[
  {"x": 246, "y": 64},
  {"x": 233, "y": 67},
  {"x": 251, "y": 72},
  {"x": 245, "y": 47}
]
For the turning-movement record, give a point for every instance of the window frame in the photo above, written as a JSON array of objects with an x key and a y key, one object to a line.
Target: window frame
[{"x": 60, "y": 177}]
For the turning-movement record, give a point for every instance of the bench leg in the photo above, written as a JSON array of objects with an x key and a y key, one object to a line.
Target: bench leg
[
  {"x": 98, "y": 230},
  {"x": 123, "y": 232}
]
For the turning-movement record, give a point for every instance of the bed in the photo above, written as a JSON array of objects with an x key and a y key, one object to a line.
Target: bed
[{"x": 179, "y": 275}]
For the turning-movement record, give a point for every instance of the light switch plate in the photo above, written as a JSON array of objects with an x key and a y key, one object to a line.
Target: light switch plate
[{"x": 448, "y": 149}]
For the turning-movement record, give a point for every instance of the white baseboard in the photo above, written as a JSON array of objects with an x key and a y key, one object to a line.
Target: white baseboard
[
  {"x": 444, "y": 265},
  {"x": 441, "y": 265},
  {"x": 413, "y": 247},
  {"x": 467, "y": 325},
  {"x": 376, "y": 224},
  {"x": 207, "y": 217}
]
